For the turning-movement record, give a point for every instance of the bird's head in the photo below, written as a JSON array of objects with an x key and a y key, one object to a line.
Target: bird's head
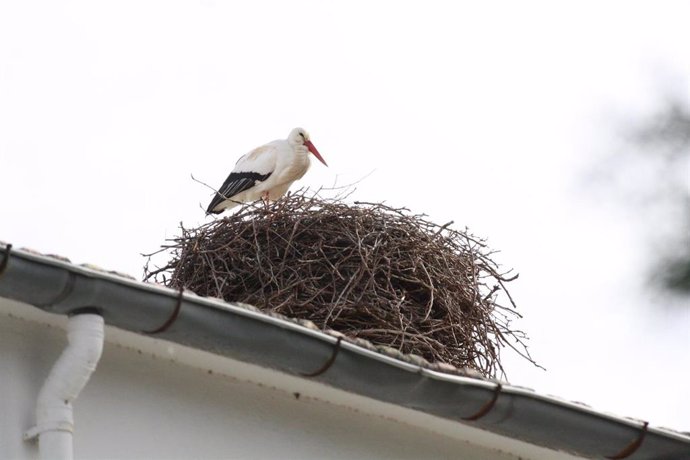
[{"x": 299, "y": 136}]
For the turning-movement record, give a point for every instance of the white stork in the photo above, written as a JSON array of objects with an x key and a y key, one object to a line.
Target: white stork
[{"x": 266, "y": 172}]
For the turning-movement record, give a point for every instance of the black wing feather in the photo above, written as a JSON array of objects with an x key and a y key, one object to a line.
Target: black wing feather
[{"x": 237, "y": 182}]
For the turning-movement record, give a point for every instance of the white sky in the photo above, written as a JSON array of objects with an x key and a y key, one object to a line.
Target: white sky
[{"x": 482, "y": 113}]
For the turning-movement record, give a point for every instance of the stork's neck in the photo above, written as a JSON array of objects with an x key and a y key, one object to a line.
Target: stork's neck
[{"x": 300, "y": 150}]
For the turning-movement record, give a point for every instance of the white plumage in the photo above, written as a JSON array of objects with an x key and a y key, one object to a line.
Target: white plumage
[{"x": 266, "y": 172}]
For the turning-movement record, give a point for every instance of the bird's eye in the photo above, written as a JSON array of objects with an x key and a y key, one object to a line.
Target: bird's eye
[{"x": 302, "y": 134}]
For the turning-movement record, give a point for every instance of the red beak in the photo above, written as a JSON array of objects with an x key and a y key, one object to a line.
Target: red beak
[{"x": 316, "y": 153}]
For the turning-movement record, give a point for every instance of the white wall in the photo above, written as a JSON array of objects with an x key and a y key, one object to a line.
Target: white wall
[{"x": 141, "y": 406}]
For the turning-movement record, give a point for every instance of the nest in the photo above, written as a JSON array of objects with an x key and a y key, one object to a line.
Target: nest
[{"x": 367, "y": 270}]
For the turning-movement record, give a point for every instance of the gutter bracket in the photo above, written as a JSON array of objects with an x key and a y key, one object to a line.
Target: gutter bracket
[
  {"x": 169, "y": 322},
  {"x": 5, "y": 259},
  {"x": 633, "y": 446},
  {"x": 486, "y": 408},
  {"x": 327, "y": 364}
]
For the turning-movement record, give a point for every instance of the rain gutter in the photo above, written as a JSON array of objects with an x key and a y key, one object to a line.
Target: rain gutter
[{"x": 212, "y": 325}]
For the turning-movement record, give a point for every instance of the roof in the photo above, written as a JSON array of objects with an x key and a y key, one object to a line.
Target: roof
[{"x": 242, "y": 332}]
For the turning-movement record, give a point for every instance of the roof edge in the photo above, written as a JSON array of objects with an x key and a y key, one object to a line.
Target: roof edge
[{"x": 242, "y": 332}]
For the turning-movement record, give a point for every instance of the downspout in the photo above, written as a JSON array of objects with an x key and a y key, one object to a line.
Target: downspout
[{"x": 71, "y": 372}]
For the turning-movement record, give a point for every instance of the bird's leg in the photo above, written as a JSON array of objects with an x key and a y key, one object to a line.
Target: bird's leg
[{"x": 264, "y": 196}]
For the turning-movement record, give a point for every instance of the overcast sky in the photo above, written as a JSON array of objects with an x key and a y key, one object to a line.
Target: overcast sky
[{"x": 486, "y": 113}]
